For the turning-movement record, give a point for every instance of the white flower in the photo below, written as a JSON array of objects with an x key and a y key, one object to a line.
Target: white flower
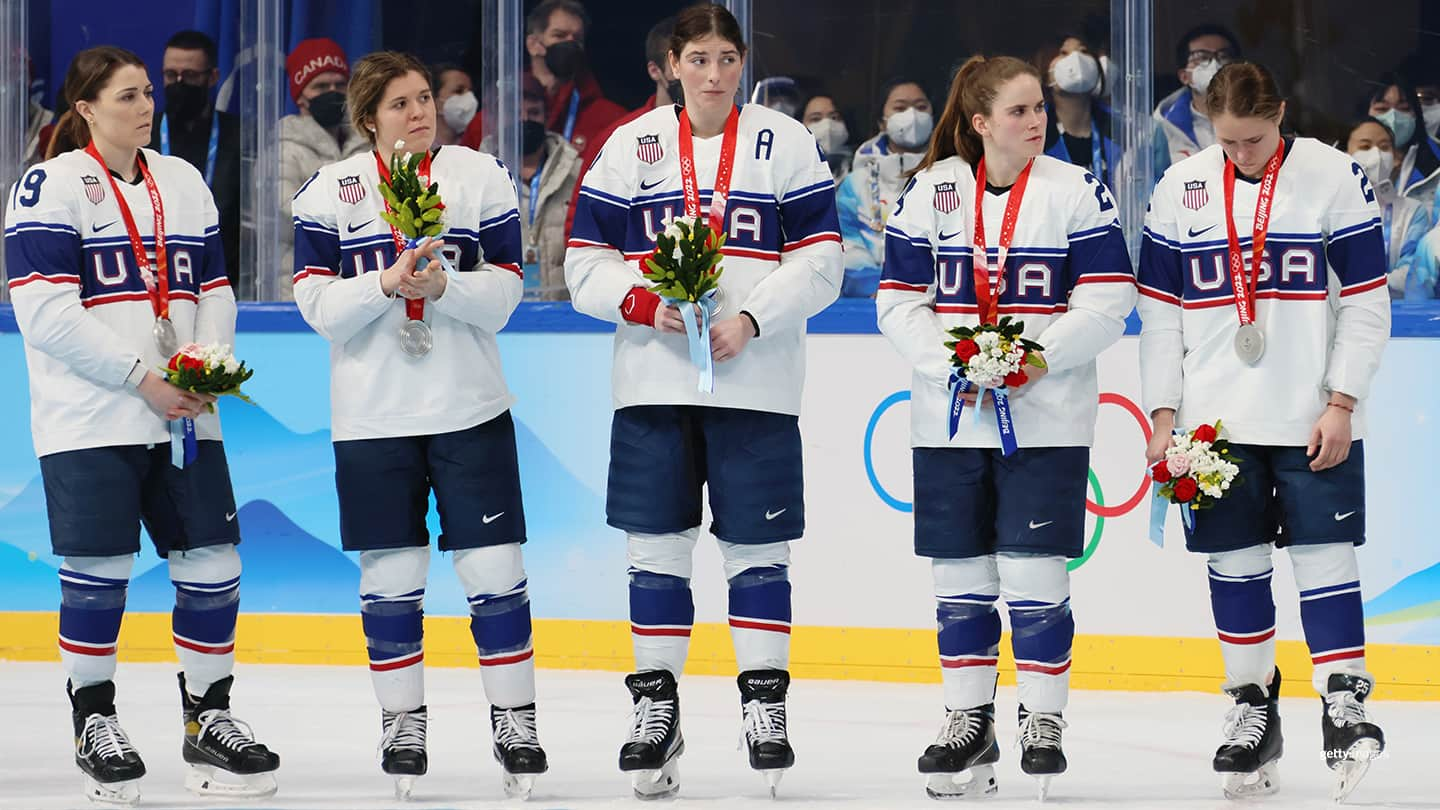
[
  {"x": 400, "y": 144},
  {"x": 231, "y": 365},
  {"x": 987, "y": 340},
  {"x": 673, "y": 230}
]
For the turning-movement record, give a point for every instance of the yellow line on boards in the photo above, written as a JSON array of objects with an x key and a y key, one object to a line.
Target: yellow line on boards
[{"x": 1136, "y": 663}]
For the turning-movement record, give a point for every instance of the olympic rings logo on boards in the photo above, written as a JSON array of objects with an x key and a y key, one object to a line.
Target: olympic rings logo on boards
[{"x": 1097, "y": 507}]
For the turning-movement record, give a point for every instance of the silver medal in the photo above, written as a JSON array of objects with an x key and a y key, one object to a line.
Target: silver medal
[
  {"x": 719, "y": 303},
  {"x": 165, "y": 339},
  {"x": 1249, "y": 343},
  {"x": 416, "y": 338}
]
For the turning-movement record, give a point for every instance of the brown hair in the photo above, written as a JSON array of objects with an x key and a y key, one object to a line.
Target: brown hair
[
  {"x": 972, "y": 92},
  {"x": 368, "y": 80},
  {"x": 90, "y": 71},
  {"x": 1244, "y": 90},
  {"x": 700, "y": 21}
]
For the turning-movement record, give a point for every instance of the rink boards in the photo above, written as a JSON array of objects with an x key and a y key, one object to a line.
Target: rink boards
[{"x": 863, "y": 608}]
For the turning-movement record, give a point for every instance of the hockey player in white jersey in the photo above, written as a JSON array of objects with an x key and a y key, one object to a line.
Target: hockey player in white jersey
[
  {"x": 115, "y": 262},
  {"x": 998, "y": 522},
  {"x": 419, "y": 405},
  {"x": 1262, "y": 281},
  {"x": 759, "y": 177}
]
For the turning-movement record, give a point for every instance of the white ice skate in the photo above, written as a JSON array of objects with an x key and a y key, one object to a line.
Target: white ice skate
[{"x": 1349, "y": 772}]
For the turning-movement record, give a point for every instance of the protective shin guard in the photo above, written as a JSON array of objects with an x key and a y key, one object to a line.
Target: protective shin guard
[
  {"x": 1037, "y": 593},
  {"x": 759, "y": 577},
  {"x": 92, "y": 603},
  {"x": 1244, "y": 612},
  {"x": 392, "y": 612},
  {"x": 1328, "y": 578},
  {"x": 495, "y": 584},
  {"x": 662, "y": 608},
  {"x": 207, "y": 600},
  {"x": 969, "y": 629}
]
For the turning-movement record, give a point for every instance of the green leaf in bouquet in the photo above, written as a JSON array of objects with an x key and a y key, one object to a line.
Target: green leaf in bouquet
[
  {"x": 389, "y": 195},
  {"x": 391, "y": 220},
  {"x": 433, "y": 230},
  {"x": 431, "y": 215},
  {"x": 1035, "y": 360}
]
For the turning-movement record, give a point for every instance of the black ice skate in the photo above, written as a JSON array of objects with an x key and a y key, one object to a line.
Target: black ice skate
[
  {"x": 1351, "y": 740},
  {"x": 961, "y": 763},
  {"x": 1253, "y": 743},
  {"x": 517, "y": 748},
  {"x": 111, "y": 765},
  {"x": 1040, "y": 752},
  {"x": 222, "y": 753},
  {"x": 762, "y": 707},
  {"x": 652, "y": 750},
  {"x": 402, "y": 748}
]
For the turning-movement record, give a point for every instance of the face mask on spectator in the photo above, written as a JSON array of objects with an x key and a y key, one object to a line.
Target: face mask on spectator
[
  {"x": 910, "y": 128},
  {"x": 459, "y": 109},
  {"x": 1377, "y": 164},
  {"x": 1076, "y": 72},
  {"x": 328, "y": 109},
  {"x": 565, "y": 59},
  {"x": 1400, "y": 122},
  {"x": 532, "y": 137},
  {"x": 831, "y": 134},
  {"x": 1202, "y": 74},
  {"x": 676, "y": 91},
  {"x": 185, "y": 102},
  {"x": 1107, "y": 75},
  {"x": 1431, "y": 114}
]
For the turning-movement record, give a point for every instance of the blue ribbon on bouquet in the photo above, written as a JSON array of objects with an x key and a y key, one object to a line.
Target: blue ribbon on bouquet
[
  {"x": 1004, "y": 421},
  {"x": 696, "y": 316},
  {"x": 1159, "y": 506},
  {"x": 421, "y": 261},
  {"x": 184, "y": 448}
]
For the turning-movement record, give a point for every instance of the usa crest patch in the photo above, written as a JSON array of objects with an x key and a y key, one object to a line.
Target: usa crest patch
[
  {"x": 1195, "y": 195},
  {"x": 648, "y": 149},
  {"x": 351, "y": 190},
  {"x": 947, "y": 199},
  {"x": 94, "y": 192}
]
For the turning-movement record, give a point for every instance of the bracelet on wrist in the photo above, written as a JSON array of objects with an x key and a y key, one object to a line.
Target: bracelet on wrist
[{"x": 1342, "y": 406}]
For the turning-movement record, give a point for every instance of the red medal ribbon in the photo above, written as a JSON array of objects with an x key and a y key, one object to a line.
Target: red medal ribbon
[
  {"x": 1245, "y": 292},
  {"x": 723, "y": 171},
  {"x": 987, "y": 291},
  {"x": 414, "y": 307},
  {"x": 156, "y": 283}
]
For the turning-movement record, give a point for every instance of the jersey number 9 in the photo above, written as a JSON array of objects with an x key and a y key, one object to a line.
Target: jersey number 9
[{"x": 31, "y": 188}]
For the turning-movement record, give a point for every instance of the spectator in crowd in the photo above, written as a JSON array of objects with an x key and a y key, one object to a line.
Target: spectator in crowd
[
  {"x": 1423, "y": 281},
  {"x": 1078, "y": 128},
  {"x": 319, "y": 134},
  {"x": 1429, "y": 96},
  {"x": 1199, "y": 54},
  {"x": 577, "y": 107},
  {"x": 824, "y": 121},
  {"x": 1396, "y": 104},
  {"x": 667, "y": 92},
  {"x": 455, "y": 102},
  {"x": 779, "y": 93},
  {"x": 1404, "y": 220},
  {"x": 878, "y": 175},
  {"x": 549, "y": 173},
  {"x": 190, "y": 127},
  {"x": 37, "y": 122}
]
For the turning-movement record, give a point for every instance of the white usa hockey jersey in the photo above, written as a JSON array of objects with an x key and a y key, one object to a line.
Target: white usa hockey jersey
[
  {"x": 1320, "y": 299},
  {"x": 342, "y": 244},
  {"x": 782, "y": 254},
  {"x": 82, "y": 305},
  {"x": 1067, "y": 277}
]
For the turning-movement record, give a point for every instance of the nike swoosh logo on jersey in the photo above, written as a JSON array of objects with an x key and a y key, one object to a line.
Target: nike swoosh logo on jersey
[
  {"x": 354, "y": 228},
  {"x": 1034, "y": 525},
  {"x": 772, "y": 515},
  {"x": 98, "y": 228},
  {"x": 644, "y": 186},
  {"x": 945, "y": 237},
  {"x": 488, "y": 519},
  {"x": 1194, "y": 233},
  {"x": 229, "y": 516},
  {"x": 1340, "y": 517}
]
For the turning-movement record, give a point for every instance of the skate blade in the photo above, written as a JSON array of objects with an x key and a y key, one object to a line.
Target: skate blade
[
  {"x": 115, "y": 794},
  {"x": 403, "y": 787},
  {"x": 1251, "y": 785},
  {"x": 772, "y": 778},
  {"x": 947, "y": 786},
  {"x": 519, "y": 785},
  {"x": 657, "y": 784},
  {"x": 1044, "y": 786},
  {"x": 207, "y": 780},
  {"x": 1349, "y": 771}
]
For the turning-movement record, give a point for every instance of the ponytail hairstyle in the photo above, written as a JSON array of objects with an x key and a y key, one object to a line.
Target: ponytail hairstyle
[
  {"x": 972, "y": 92},
  {"x": 90, "y": 71},
  {"x": 1244, "y": 90},
  {"x": 368, "y": 80}
]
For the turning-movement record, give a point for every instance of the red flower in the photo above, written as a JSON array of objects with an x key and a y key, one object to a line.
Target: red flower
[
  {"x": 175, "y": 361},
  {"x": 966, "y": 349},
  {"x": 1205, "y": 433},
  {"x": 192, "y": 364},
  {"x": 1186, "y": 489},
  {"x": 1160, "y": 472},
  {"x": 1016, "y": 379}
]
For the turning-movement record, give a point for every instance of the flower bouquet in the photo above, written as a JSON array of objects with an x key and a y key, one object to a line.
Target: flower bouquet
[
  {"x": 413, "y": 210},
  {"x": 1197, "y": 471},
  {"x": 210, "y": 369},
  {"x": 993, "y": 357},
  {"x": 685, "y": 271}
]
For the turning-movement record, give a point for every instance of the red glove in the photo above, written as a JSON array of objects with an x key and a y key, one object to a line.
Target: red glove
[{"x": 639, "y": 306}]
